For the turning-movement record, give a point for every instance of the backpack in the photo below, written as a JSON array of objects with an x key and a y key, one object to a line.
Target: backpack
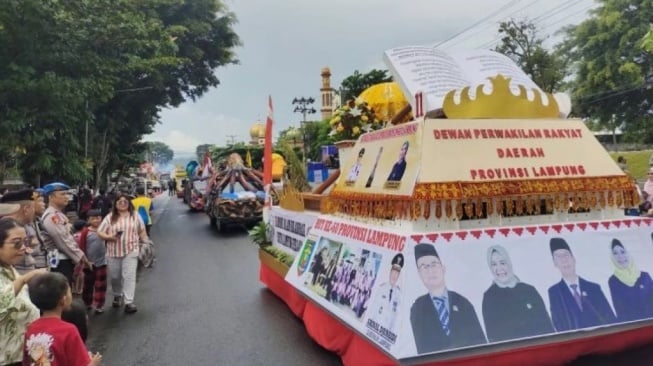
[{"x": 143, "y": 212}]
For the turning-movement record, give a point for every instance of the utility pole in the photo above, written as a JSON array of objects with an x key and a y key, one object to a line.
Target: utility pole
[
  {"x": 304, "y": 106},
  {"x": 231, "y": 139}
]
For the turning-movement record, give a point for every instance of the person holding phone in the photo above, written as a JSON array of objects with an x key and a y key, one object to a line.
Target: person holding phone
[{"x": 123, "y": 229}]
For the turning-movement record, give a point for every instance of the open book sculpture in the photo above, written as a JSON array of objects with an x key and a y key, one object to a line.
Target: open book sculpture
[{"x": 444, "y": 78}]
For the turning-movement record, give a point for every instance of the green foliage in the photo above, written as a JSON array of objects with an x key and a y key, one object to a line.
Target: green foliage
[
  {"x": 106, "y": 65},
  {"x": 159, "y": 152},
  {"x": 353, "y": 85},
  {"x": 259, "y": 235},
  {"x": 520, "y": 41},
  {"x": 612, "y": 70},
  {"x": 295, "y": 169},
  {"x": 200, "y": 150},
  {"x": 219, "y": 153},
  {"x": 280, "y": 255}
]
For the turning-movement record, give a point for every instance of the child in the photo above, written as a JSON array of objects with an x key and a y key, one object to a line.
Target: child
[
  {"x": 76, "y": 315},
  {"x": 95, "y": 278},
  {"x": 78, "y": 271},
  {"x": 50, "y": 340}
]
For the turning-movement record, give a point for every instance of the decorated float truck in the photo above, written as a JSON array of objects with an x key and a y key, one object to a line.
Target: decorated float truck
[
  {"x": 236, "y": 194},
  {"x": 493, "y": 236}
]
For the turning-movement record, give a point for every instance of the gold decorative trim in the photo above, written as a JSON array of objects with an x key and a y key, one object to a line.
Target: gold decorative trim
[
  {"x": 291, "y": 199},
  {"x": 501, "y": 103}
]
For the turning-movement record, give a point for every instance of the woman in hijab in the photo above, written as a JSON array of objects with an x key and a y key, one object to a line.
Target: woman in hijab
[
  {"x": 630, "y": 288},
  {"x": 511, "y": 309}
]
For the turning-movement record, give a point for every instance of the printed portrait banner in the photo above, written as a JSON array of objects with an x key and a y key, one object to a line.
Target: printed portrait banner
[
  {"x": 355, "y": 272},
  {"x": 383, "y": 162},
  {"x": 472, "y": 288},
  {"x": 499, "y": 150},
  {"x": 288, "y": 229}
]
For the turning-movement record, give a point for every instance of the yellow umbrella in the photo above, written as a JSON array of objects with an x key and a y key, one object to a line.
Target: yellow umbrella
[{"x": 386, "y": 99}]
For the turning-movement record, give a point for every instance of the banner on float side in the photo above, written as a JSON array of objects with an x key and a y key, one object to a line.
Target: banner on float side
[
  {"x": 502, "y": 284},
  {"x": 288, "y": 229},
  {"x": 383, "y": 162}
]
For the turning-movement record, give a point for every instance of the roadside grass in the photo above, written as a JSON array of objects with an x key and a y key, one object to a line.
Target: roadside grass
[{"x": 637, "y": 162}]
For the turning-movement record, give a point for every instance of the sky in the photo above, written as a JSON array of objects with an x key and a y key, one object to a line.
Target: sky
[{"x": 286, "y": 43}]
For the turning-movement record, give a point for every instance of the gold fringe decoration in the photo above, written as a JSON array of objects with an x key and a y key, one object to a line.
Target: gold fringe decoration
[
  {"x": 489, "y": 207},
  {"x": 602, "y": 199},
  {"x": 509, "y": 207},
  {"x": 579, "y": 202},
  {"x": 459, "y": 209},
  {"x": 594, "y": 201},
  {"x": 549, "y": 204},
  {"x": 438, "y": 209},
  {"x": 619, "y": 200},
  {"x": 469, "y": 209},
  {"x": 415, "y": 210},
  {"x": 448, "y": 210},
  {"x": 478, "y": 208},
  {"x": 611, "y": 199},
  {"x": 519, "y": 206},
  {"x": 427, "y": 209}
]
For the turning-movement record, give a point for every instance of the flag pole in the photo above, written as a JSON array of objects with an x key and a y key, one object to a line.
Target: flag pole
[{"x": 267, "y": 163}]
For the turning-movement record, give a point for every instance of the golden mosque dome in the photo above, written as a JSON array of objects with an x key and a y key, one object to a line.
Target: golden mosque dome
[{"x": 257, "y": 131}]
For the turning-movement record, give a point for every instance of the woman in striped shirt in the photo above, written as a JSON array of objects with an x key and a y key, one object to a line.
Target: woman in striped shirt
[{"x": 123, "y": 229}]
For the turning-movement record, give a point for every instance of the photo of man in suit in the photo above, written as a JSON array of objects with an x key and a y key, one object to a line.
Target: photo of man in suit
[
  {"x": 399, "y": 167},
  {"x": 575, "y": 302},
  {"x": 441, "y": 319},
  {"x": 356, "y": 168}
]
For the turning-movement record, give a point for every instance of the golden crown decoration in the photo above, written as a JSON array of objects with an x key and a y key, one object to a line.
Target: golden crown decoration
[
  {"x": 290, "y": 198},
  {"x": 501, "y": 103}
]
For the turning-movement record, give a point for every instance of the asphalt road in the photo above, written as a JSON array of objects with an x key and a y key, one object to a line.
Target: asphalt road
[{"x": 202, "y": 304}]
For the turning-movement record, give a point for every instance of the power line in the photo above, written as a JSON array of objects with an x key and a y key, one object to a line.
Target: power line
[
  {"x": 549, "y": 12},
  {"x": 477, "y": 23},
  {"x": 231, "y": 139},
  {"x": 458, "y": 41}
]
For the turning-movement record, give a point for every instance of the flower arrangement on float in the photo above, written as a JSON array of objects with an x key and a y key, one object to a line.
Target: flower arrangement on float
[{"x": 353, "y": 119}]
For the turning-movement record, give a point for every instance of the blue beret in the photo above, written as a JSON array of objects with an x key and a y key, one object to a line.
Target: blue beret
[{"x": 53, "y": 187}]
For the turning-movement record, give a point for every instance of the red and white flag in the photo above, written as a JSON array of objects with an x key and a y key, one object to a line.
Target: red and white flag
[{"x": 267, "y": 161}]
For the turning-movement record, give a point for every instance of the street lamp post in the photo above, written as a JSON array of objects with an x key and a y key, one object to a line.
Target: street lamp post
[{"x": 304, "y": 106}]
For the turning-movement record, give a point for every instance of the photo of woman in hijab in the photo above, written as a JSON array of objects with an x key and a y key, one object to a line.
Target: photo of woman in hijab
[
  {"x": 630, "y": 288},
  {"x": 511, "y": 309}
]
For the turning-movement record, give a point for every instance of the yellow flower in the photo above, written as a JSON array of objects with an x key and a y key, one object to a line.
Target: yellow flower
[
  {"x": 364, "y": 118},
  {"x": 356, "y": 131},
  {"x": 346, "y": 108},
  {"x": 340, "y": 128},
  {"x": 335, "y": 120}
]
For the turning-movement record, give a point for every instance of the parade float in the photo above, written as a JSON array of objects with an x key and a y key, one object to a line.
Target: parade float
[
  {"x": 195, "y": 187},
  {"x": 236, "y": 194},
  {"x": 494, "y": 234}
]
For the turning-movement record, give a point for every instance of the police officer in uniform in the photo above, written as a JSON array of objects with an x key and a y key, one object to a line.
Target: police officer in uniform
[
  {"x": 386, "y": 302},
  {"x": 63, "y": 251}
]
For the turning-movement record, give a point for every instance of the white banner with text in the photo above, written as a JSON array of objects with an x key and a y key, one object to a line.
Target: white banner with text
[{"x": 420, "y": 294}]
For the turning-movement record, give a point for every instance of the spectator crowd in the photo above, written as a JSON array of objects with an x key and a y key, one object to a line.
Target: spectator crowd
[{"x": 54, "y": 273}]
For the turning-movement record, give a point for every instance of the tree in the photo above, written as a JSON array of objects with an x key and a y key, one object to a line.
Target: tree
[
  {"x": 612, "y": 71},
  {"x": 106, "y": 66},
  {"x": 159, "y": 152},
  {"x": 352, "y": 86},
  {"x": 520, "y": 41},
  {"x": 201, "y": 150}
]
